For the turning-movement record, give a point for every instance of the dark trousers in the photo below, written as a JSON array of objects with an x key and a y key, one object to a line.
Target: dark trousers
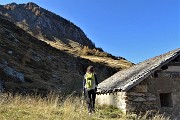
[
  {"x": 2, "y": 85},
  {"x": 90, "y": 99}
]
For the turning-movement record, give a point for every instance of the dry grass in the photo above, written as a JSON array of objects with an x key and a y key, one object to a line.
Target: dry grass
[
  {"x": 94, "y": 55},
  {"x": 54, "y": 107},
  {"x": 123, "y": 64}
]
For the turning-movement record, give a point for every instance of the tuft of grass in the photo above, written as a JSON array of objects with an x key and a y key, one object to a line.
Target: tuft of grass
[
  {"x": 109, "y": 112},
  {"x": 147, "y": 116},
  {"x": 56, "y": 107}
]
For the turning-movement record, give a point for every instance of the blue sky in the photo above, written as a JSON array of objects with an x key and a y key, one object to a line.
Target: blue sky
[{"x": 134, "y": 29}]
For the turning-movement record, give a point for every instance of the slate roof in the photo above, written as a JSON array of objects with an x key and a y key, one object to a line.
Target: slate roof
[{"x": 126, "y": 79}]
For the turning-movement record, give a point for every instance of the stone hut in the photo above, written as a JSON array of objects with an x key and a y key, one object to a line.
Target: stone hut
[{"x": 152, "y": 85}]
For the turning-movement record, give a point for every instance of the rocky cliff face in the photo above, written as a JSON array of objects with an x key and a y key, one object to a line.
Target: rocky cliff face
[
  {"x": 28, "y": 64},
  {"x": 44, "y": 24}
]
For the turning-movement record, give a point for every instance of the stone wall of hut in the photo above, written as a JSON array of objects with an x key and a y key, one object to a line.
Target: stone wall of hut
[
  {"x": 159, "y": 92},
  {"x": 141, "y": 99},
  {"x": 113, "y": 99}
]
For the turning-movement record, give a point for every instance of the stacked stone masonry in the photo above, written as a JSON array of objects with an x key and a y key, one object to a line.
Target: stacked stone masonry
[{"x": 159, "y": 92}]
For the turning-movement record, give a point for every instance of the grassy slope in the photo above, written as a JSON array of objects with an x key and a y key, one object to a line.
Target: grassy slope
[
  {"x": 93, "y": 55},
  {"x": 45, "y": 67},
  {"x": 56, "y": 107},
  {"x": 123, "y": 64}
]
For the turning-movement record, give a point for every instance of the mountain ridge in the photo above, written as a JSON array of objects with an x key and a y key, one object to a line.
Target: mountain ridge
[
  {"x": 44, "y": 24},
  {"x": 41, "y": 20},
  {"x": 35, "y": 59},
  {"x": 29, "y": 65}
]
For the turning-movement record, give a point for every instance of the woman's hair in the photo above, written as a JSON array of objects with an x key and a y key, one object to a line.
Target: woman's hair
[{"x": 90, "y": 69}]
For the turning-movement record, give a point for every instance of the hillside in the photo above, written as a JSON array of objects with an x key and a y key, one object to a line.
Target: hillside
[
  {"x": 29, "y": 65},
  {"x": 59, "y": 33}
]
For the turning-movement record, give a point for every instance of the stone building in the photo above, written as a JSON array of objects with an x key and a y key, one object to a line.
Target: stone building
[{"x": 152, "y": 85}]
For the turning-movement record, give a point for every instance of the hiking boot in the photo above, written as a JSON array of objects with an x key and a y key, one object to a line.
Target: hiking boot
[{"x": 90, "y": 113}]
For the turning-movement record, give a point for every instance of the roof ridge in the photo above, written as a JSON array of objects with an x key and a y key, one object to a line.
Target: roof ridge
[{"x": 125, "y": 79}]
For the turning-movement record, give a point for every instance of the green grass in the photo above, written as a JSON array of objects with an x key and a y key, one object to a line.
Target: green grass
[{"x": 55, "y": 107}]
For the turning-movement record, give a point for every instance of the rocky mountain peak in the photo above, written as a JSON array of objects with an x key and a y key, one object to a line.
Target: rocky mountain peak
[
  {"x": 28, "y": 64},
  {"x": 31, "y": 5},
  {"x": 44, "y": 24}
]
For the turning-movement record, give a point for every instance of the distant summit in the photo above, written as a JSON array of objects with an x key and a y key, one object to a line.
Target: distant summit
[{"x": 44, "y": 24}]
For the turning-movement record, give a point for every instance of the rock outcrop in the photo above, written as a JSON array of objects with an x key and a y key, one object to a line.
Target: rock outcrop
[{"x": 44, "y": 24}]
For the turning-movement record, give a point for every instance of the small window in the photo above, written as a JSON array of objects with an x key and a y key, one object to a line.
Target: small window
[{"x": 166, "y": 99}]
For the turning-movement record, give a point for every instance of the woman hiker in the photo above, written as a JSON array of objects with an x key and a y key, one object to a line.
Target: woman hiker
[{"x": 89, "y": 88}]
